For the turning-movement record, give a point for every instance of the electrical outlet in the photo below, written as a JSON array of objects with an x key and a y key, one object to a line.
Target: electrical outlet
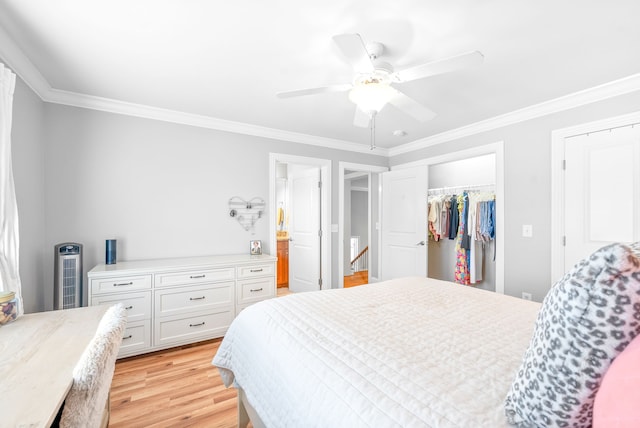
[
  {"x": 527, "y": 230},
  {"x": 526, "y": 296}
]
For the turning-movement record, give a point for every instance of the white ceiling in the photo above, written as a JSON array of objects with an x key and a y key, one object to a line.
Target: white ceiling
[{"x": 227, "y": 60}]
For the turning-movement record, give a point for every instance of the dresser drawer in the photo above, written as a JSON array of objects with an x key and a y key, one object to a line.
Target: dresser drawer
[
  {"x": 194, "y": 277},
  {"x": 176, "y": 330},
  {"x": 119, "y": 284},
  {"x": 256, "y": 289},
  {"x": 136, "y": 338},
  {"x": 138, "y": 305},
  {"x": 256, "y": 270},
  {"x": 179, "y": 300}
]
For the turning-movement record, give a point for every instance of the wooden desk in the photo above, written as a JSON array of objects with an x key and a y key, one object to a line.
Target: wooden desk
[{"x": 37, "y": 355}]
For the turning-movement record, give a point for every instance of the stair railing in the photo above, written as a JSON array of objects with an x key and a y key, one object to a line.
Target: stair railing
[{"x": 359, "y": 262}]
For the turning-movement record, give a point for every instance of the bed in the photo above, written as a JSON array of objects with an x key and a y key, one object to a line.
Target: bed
[
  {"x": 407, "y": 352},
  {"x": 419, "y": 352}
]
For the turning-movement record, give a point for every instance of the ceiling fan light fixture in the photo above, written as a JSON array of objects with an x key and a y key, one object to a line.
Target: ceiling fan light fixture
[{"x": 371, "y": 95}]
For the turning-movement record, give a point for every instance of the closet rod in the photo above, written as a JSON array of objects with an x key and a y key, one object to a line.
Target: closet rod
[{"x": 454, "y": 189}]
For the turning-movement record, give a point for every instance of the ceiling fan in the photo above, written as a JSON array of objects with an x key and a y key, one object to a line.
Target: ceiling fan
[{"x": 371, "y": 88}]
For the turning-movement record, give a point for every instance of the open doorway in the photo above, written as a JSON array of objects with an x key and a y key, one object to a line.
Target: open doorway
[
  {"x": 358, "y": 224},
  {"x": 475, "y": 177},
  {"x": 391, "y": 200},
  {"x": 356, "y": 228},
  {"x": 299, "y": 207}
]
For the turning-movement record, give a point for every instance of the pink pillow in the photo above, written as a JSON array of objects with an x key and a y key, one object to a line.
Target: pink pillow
[{"x": 617, "y": 403}]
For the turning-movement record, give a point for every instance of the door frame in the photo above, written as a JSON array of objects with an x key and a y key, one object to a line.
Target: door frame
[
  {"x": 496, "y": 148},
  {"x": 342, "y": 166},
  {"x": 325, "y": 209},
  {"x": 558, "y": 183}
]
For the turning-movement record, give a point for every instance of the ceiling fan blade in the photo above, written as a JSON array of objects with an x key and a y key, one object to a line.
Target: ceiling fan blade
[
  {"x": 441, "y": 66},
  {"x": 361, "y": 119},
  {"x": 411, "y": 107},
  {"x": 354, "y": 49},
  {"x": 312, "y": 91}
]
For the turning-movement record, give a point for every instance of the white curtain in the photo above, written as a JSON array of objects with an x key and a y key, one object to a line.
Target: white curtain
[{"x": 9, "y": 241}]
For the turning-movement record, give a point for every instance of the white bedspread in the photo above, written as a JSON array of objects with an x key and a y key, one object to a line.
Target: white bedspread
[{"x": 412, "y": 352}]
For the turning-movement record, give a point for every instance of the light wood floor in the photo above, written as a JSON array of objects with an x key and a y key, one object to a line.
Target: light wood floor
[
  {"x": 176, "y": 387},
  {"x": 358, "y": 278},
  {"x": 283, "y": 291},
  {"x": 173, "y": 388}
]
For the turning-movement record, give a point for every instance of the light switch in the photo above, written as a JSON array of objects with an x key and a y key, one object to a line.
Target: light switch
[{"x": 527, "y": 230}]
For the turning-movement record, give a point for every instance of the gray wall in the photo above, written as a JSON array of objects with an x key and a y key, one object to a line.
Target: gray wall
[
  {"x": 360, "y": 216},
  {"x": 160, "y": 189},
  {"x": 346, "y": 245},
  {"x": 472, "y": 171},
  {"x": 527, "y": 156},
  {"x": 29, "y": 174},
  {"x": 374, "y": 246}
]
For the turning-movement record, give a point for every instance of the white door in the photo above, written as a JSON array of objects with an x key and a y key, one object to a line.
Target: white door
[
  {"x": 304, "y": 233},
  {"x": 602, "y": 191},
  {"x": 404, "y": 223}
]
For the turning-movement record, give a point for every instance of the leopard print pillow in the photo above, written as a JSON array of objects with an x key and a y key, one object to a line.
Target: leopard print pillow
[{"x": 586, "y": 320}]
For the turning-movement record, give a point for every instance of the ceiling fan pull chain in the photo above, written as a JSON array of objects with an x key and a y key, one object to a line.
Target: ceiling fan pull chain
[{"x": 373, "y": 131}]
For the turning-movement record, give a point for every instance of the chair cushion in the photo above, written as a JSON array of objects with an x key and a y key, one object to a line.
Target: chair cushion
[{"x": 586, "y": 320}]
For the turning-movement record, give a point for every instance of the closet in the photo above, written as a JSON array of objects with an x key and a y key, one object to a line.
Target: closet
[{"x": 469, "y": 183}]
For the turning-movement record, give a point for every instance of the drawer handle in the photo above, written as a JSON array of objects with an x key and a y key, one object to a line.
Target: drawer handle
[
  {"x": 197, "y": 325},
  {"x": 256, "y": 289},
  {"x": 127, "y": 337},
  {"x": 197, "y": 276},
  {"x": 197, "y": 298},
  {"x": 123, "y": 284},
  {"x": 129, "y": 307},
  {"x": 255, "y": 270}
]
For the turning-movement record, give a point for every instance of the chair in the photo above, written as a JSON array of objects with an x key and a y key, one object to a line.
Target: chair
[{"x": 87, "y": 404}]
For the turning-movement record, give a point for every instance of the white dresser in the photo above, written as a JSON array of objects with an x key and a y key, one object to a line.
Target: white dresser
[{"x": 173, "y": 302}]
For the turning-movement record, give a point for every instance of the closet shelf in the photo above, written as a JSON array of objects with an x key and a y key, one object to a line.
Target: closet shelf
[{"x": 459, "y": 189}]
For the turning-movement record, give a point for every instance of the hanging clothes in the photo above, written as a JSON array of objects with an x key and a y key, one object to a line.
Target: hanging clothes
[
  {"x": 474, "y": 221},
  {"x": 469, "y": 219},
  {"x": 280, "y": 217},
  {"x": 475, "y": 274},
  {"x": 461, "y": 275},
  {"x": 453, "y": 217},
  {"x": 445, "y": 214},
  {"x": 487, "y": 220},
  {"x": 434, "y": 218}
]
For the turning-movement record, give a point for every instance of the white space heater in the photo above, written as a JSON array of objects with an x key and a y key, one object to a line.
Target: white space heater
[{"x": 67, "y": 286}]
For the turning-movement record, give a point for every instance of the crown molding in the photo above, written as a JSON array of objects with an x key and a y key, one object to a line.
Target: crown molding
[
  {"x": 143, "y": 111},
  {"x": 28, "y": 72},
  {"x": 576, "y": 99},
  {"x": 21, "y": 65}
]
